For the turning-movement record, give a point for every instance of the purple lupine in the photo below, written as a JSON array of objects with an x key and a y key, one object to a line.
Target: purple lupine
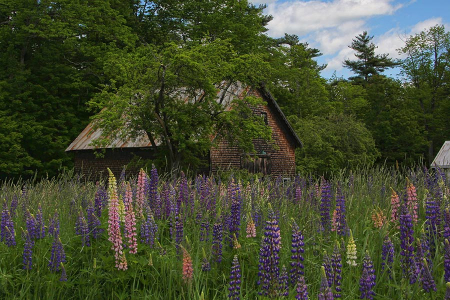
[
  {"x": 341, "y": 222},
  {"x": 183, "y": 193},
  {"x": 27, "y": 250},
  {"x": 283, "y": 283},
  {"x": 206, "y": 266},
  {"x": 387, "y": 255},
  {"x": 302, "y": 289},
  {"x": 432, "y": 224},
  {"x": 149, "y": 230},
  {"x": 235, "y": 280},
  {"x": 235, "y": 217},
  {"x": 406, "y": 245},
  {"x": 298, "y": 195},
  {"x": 326, "y": 263},
  {"x": 325, "y": 204},
  {"x": 336, "y": 265},
  {"x": 217, "y": 242},
  {"x": 297, "y": 254},
  {"x": 428, "y": 283},
  {"x": 13, "y": 206},
  {"x": 53, "y": 226},
  {"x": 269, "y": 257},
  {"x": 63, "y": 273},
  {"x": 418, "y": 259},
  {"x": 367, "y": 281},
  {"x": 93, "y": 222},
  {"x": 58, "y": 255},
  {"x": 446, "y": 223},
  {"x": 100, "y": 200},
  {"x": 7, "y": 233},
  {"x": 325, "y": 292},
  {"x": 40, "y": 226},
  {"x": 204, "y": 230},
  {"x": 178, "y": 233},
  {"x": 82, "y": 229},
  {"x": 31, "y": 225},
  {"x": 447, "y": 261}
]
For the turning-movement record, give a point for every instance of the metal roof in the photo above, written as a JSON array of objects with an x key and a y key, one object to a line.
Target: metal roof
[
  {"x": 442, "y": 159},
  {"x": 225, "y": 95}
]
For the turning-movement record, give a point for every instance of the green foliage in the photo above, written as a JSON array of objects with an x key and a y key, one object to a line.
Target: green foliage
[
  {"x": 332, "y": 143},
  {"x": 368, "y": 64}
]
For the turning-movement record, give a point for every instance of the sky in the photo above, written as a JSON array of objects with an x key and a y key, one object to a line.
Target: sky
[{"x": 330, "y": 25}]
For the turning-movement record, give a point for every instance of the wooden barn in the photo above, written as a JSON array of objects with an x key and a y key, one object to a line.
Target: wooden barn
[
  {"x": 268, "y": 159},
  {"x": 442, "y": 160}
]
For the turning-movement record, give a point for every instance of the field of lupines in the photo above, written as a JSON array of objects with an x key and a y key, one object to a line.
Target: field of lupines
[{"x": 371, "y": 234}]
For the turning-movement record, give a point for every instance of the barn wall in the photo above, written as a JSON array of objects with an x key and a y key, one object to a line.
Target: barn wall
[
  {"x": 87, "y": 164},
  {"x": 225, "y": 157}
]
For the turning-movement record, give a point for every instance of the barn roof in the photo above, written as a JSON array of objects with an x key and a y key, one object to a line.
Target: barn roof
[
  {"x": 226, "y": 94},
  {"x": 442, "y": 159}
]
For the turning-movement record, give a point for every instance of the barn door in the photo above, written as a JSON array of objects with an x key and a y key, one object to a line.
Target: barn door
[{"x": 257, "y": 164}]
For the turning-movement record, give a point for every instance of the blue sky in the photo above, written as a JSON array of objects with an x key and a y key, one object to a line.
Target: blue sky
[{"x": 330, "y": 25}]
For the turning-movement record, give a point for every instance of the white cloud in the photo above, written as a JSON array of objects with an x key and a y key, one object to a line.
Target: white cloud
[{"x": 304, "y": 17}]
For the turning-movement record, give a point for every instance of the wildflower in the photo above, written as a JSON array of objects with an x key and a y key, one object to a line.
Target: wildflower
[
  {"x": 236, "y": 244},
  {"x": 395, "y": 205},
  {"x": 63, "y": 273},
  {"x": 27, "y": 251},
  {"x": 341, "y": 223},
  {"x": 367, "y": 281},
  {"x": 235, "y": 220},
  {"x": 298, "y": 195},
  {"x": 149, "y": 229},
  {"x": 130, "y": 220},
  {"x": 325, "y": 292},
  {"x": 269, "y": 257},
  {"x": 31, "y": 225},
  {"x": 114, "y": 233},
  {"x": 188, "y": 271},
  {"x": 7, "y": 233},
  {"x": 142, "y": 177},
  {"x": 412, "y": 202},
  {"x": 40, "y": 226},
  {"x": 179, "y": 233},
  {"x": 447, "y": 261},
  {"x": 406, "y": 245},
  {"x": 336, "y": 265},
  {"x": 283, "y": 283},
  {"x": 296, "y": 256},
  {"x": 428, "y": 283},
  {"x": 204, "y": 230},
  {"x": 57, "y": 256},
  {"x": 387, "y": 254},
  {"x": 217, "y": 242},
  {"x": 326, "y": 263},
  {"x": 235, "y": 280},
  {"x": 351, "y": 251},
  {"x": 81, "y": 228},
  {"x": 93, "y": 222},
  {"x": 100, "y": 200},
  {"x": 302, "y": 289},
  {"x": 251, "y": 228},
  {"x": 53, "y": 226},
  {"x": 325, "y": 203},
  {"x": 433, "y": 220},
  {"x": 378, "y": 218}
]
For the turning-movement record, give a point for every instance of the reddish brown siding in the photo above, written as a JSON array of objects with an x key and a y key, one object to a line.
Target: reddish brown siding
[{"x": 283, "y": 157}]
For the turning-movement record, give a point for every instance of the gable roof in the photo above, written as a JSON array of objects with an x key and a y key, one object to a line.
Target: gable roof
[
  {"x": 225, "y": 95},
  {"x": 442, "y": 159}
]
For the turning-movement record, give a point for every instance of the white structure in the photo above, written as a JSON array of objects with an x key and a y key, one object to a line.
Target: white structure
[{"x": 442, "y": 160}]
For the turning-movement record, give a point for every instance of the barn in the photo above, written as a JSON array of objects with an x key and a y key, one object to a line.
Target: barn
[
  {"x": 274, "y": 160},
  {"x": 442, "y": 160}
]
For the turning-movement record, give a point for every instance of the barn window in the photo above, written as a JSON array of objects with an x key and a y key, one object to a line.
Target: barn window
[
  {"x": 264, "y": 117},
  {"x": 257, "y": 163}
]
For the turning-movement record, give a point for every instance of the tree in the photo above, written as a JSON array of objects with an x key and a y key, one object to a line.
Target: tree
[
  {"x": 427, "y": 68},
  {"x": 368, "y": 64},
  {"x": 51, "y": 56}
]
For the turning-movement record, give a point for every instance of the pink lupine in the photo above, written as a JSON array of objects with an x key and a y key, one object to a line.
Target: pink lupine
[
  {"x": 412, "y": 201},
  {"x": 115, "y": 236},
  {"x": 334, "y": 224},
  {"x": 141, "y": 193},
  {"x": 188, "y": 271},
  {"x": 130, "y": 220},
  {"x": 395, "y": 205},
  {"x": 251, "y": 228}
]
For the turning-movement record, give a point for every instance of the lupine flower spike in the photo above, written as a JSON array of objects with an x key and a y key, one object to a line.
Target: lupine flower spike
[
  {"x": 251, "y": 228},
  {"x": 367, "y": 281},
  {"x": 325, "y": 292},
  {"x": 188, "y": 271},
  {"x": 351, "y": 251},
  {"x": 302, "y": 289},
  {"x": 235, "y": 280},
  {"x": 447, "y": 291},
  {"x": 395, "y": 206},
  {"x": 130, "y": 220},
  {"x": 115, "y": 235}
]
